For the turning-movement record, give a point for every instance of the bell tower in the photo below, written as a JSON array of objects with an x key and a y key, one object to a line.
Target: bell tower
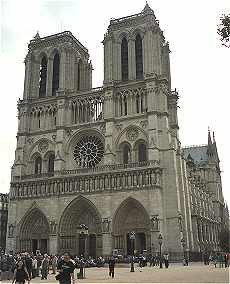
[
  {"x": 135, "y": 48},
  {"x": 56, "y": 63}
]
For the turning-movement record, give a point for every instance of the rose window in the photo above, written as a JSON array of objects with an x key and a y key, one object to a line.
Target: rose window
[{"x": 88, "y": 151}]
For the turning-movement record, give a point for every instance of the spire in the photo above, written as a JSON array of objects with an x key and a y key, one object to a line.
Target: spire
[
  {"x": 209, "y": 138},
  {"x": 210, "y": 147},
  {"x": 213, "y": 135},
  {"x": 147, "y": 9},
  {"x": 37, "y": 36}
]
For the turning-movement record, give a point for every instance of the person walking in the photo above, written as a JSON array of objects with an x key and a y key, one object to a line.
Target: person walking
[
  {"x": 20, "y": 273},
  {"x": 152, "y": 261},
  {"x": 111, "y": 266},
  {"x": 29, "y": 264},
  {"x": 166, "y": 260},
  {"x": 65, "y": 268},
  {"x": 54, "y": 264},
  {"x": 45, "y": 267},
  {"x": 34, "y": 267}
]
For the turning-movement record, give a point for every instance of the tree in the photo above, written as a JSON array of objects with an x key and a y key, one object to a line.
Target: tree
[
  {"x": 224, "y": 240},
  {"x": 224, "y": 30}
]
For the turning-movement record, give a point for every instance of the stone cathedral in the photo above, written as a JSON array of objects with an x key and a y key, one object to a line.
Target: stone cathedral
[{"x": 110, "y": 157}]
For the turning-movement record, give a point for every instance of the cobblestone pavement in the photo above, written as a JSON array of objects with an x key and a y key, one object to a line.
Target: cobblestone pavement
[{"x": 176, "y": 273}]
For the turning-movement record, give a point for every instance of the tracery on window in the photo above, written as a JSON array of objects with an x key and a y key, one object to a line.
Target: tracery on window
[{"x": 88, "y": 151}]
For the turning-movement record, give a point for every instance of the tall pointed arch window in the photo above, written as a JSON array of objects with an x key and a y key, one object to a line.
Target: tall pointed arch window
[
  {"x": 43, "y": 77},
  {"x": 139, "y": 57},
  {"x": 79, "y": 70},
  {"x": 142, "y": 152},
  {"x": 124, "y": 60},
  {"x": 51, "y": 163},
  {"x": 56, "y": 73},
  {"x": 126, "y": 154},
  {"x": 38, "y": 165}
]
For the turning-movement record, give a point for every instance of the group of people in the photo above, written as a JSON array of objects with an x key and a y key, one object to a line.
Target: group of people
[
  {"x": 218, "y": 259},
  {"x": 26, "y": 266}
]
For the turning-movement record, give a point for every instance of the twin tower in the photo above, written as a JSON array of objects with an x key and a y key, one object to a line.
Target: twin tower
[{"x": 109, "y": 157}]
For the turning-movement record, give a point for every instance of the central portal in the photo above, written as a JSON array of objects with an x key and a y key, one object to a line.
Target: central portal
[{"x": 81, "y": 212}]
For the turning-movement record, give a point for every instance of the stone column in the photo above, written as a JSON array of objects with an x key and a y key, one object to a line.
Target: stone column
[
  {"x": 62, "y": 75},
  {"x": 106, "y": 236},
  {"x": 118, "y": 60},
  {"x": 49, "y": 77},
  {"x": 35, "y": 73},
  {"x": 131, "y": 59},
  {"x": 53, "y": 244},
  {"x": 27, "y": 80}
]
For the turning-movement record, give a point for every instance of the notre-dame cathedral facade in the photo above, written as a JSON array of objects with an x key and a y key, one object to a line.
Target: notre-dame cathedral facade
[{"x": 110, "y": 157}]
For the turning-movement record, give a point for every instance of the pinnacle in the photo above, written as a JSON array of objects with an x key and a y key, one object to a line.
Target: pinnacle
[
  {"x": 37, "y": 36},
  {"x": 147, "y": 9}
]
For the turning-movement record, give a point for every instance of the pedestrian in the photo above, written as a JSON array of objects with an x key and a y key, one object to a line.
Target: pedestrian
[
  {"x": 152, "y": 261},
  {"x": 111, "y": 266},
  {"x": 54, "y": 264},
  {"x": 65, "y": 268},
  {"x": 166, "y": 260},
  {"x": 29, "y": 264},
  {"x": 34, "y": 267},
  {"x": 225, "y": 260},
  {"x": 45, "y": 267},
  {"x": 20, "y": 273}
]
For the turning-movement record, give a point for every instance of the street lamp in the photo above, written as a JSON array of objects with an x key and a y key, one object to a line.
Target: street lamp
[
  {"x": 82, "y": 229},
  {"x": 183, "y": 245},
  {"x": 132, "y": 239},
  {"x": 160, "y": 238}
]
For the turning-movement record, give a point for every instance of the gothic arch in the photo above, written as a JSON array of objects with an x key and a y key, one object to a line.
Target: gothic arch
[
  {"x": 125, "y": 152},
  {"x": 123, "y": 34},
  {"x": 34, "y": 147},
  {"x": 125, "y": 220},
  {"x": 131, "y": 216},
  {"x": 34, "y": 231},
  {"x": 75, "y": 213},
  {"x": 80, "y": 211},
  {"x": 41, "y": 55},
  {"x": 135, "y": 32},
  {"x": 141, "y": 150},
  {"x": 122, "y": 135}
]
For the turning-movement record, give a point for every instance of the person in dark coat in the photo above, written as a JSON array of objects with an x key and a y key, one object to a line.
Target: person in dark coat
[
  {"x": 111, "y": 266},
  {"x": 20, "y": 273}
]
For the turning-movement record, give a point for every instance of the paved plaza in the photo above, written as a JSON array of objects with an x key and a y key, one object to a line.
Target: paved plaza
[{"x": 176, "y": 273}]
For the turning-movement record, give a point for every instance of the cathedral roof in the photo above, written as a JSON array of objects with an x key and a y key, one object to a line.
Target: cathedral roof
[{"x": 197, "y": 153}]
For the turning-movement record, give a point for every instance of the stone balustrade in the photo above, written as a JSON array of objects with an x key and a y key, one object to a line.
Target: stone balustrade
[{"x": 105, "y": 178}]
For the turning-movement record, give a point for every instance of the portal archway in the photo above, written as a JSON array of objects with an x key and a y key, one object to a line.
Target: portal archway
[
  {"x": 34, "y": 232},
  {"x": 80, "y": 211},
  {"x": 131, "y": 216}
]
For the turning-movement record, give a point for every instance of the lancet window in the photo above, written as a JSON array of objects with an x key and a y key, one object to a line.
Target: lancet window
[
  {"x": 38, "y": 165},
  {"x": 56, "y": 73},
  {"x": 124, "y": 59},
  {"x": 43, "y": 77},
  {"x": 139, "y": 57}
]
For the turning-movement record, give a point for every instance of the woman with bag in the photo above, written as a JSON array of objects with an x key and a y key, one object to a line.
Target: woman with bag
[{"x": 20, "y": 273}]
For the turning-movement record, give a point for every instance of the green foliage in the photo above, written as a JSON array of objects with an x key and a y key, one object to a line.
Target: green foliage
[
  {"x": 224, "y": 30},
  {"x": 224, "y": 240}
]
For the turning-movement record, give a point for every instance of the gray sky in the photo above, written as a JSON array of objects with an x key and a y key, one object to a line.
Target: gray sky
[{"x": 199, "y": 64}]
